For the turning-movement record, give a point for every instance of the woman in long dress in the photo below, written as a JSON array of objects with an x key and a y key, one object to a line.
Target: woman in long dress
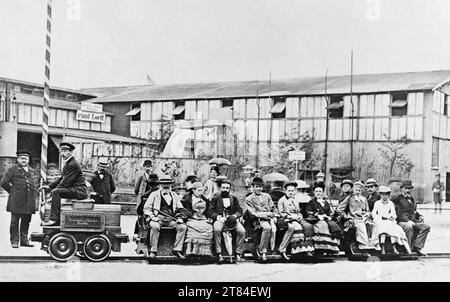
[
  {"x": 199, "y": 235},
  {"x": 326, "y": 231},
  {"x": 384, "y": 215}
]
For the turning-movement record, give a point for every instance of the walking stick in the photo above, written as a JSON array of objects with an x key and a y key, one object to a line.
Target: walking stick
[{"x": 174, "y": 218}]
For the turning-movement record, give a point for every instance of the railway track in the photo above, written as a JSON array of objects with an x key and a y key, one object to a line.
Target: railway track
[{"x": 173, "y": 260}]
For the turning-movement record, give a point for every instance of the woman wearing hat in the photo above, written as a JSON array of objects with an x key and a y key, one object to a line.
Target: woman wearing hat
[
  {"x": 19, "y": 183},
  {"x": 326, "y": 231},
  {"x": 199, "y": 236},
  {"x": 385, "y": 217},
  {"x": 298, "y": 228},
  {"x": 354, "y": 213}
]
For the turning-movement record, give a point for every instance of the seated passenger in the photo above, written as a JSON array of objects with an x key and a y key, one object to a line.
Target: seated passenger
[
  {"x": 199, "y": 234},
  {"x": 354, "y": 213},
  {"x": 262, "y": 211},
  {"x": 71, "y": 184},
  {"x": 223, "y": 206},
  {"x": 384, "y": 215},
  {"x": 299, "y": 233},
  {"x": 302, "y": 196},
  {"x": 162, "y": 209},
  {"x": 326, "y": 231},
  {"x": 409, "y": 219}
]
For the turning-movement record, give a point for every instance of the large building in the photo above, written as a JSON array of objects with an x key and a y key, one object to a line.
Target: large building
[{"x": 381, "y": 125}]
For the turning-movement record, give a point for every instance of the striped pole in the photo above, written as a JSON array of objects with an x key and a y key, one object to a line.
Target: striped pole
[{"x": 45, "y": 108}]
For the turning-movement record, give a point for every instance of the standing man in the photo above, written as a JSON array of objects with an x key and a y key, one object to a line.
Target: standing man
[
  {"x": 438, "y": 189},
  {"x": 19, "y": 183},
  {"x": 161, "y": 209},
  {"x": 143, "y": 182},
  {"x": 372, "y": 189},
  {"x": 103, "y": 184},
  {"x": 262, "y": 212},
  {"x": 71, "y": 184},
  {"x": 222, "y": 207},
  {"x": 409, "y": 219}
]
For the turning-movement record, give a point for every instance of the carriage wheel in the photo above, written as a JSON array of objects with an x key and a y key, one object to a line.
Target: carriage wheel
[
  {"x": 62, "y": 247},
  {"x": 97, "y": 248}
]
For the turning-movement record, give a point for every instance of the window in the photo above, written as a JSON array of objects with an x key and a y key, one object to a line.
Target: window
[
  {"x": 135, "y": 112},
  {"x": 435, "y": 152},
  {"x": 227, "y": 103},
  {"x": 399, "y": 105},
  {"x": 336, "y": 107},
  {"x": 279, "y": 107},
  {"x": 339, "y": 174},
  {"x": 178, "y": 112}
]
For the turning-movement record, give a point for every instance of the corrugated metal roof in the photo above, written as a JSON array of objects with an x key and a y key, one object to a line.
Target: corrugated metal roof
[
  {"x": 87, "y": 134},
  {"x": 364, "y": 83}
]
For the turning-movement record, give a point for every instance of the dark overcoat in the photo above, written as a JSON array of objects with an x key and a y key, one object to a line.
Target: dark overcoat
[
  {"x": 22, "y": 190},
  {"x": 71, "y": 178},
  {"x": 406, "y": 208},
  {"x": 217, "y": 207},
  {"x": 103, "y": 187}
]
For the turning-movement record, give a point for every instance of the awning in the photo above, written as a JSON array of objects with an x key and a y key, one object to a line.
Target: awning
[
  {"x": 335, "y": 105},
  {"x": 398, "y": 104},
  {"x": 133, "y": 111},
  {"x": 178, "y": 110},
  {"x": 278, "y": 107},
  {"x": 56, "y": 140}
]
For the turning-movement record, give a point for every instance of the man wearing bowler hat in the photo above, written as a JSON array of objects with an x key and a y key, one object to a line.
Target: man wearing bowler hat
[
  {"x": 262, "y": 212},
  {"x": 144, "y": 182},
  {"x": 225, "y": 210},
  {"x": 162, "y": 209},
  {"x": 71, "y": 184},
  {"x": 19, "y": 183},
  {"x": 409, "y": 219},
  {"x": 103, "y": 184},
  {"x": 372, "y": 189}
]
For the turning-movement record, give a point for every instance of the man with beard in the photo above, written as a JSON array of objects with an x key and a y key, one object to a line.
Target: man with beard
[
  {"x": 103, "y": 184},
  {"x": 223, "y": 206},
  {"x": 372, "y": 189},
  {"x": 262, "y": 212},
  {"x": 409, "y": 219}
]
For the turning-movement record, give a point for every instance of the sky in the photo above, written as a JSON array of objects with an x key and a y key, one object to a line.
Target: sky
[{"x": 98, "y": 43}]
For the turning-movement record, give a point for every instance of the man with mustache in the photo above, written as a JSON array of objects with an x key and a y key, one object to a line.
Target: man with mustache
[{"x": 409, "y": 219}]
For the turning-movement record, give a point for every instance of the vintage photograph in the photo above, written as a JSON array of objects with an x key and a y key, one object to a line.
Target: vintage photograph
[{"x": 247, "y": 141}]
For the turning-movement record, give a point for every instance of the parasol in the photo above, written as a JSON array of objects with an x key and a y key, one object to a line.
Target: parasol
[
  {"x": 220, "y": 161},
  {"x": 275, "y": 177}
]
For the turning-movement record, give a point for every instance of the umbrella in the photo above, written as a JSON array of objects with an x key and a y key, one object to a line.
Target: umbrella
[
  {"x": 220, "y": 161},
  {"x": 275, "y": 177}
]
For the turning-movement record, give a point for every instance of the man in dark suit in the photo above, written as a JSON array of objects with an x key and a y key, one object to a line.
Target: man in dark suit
[
  {"x": 103, "y": 184},
  {"x": 372, "y": 189},
  {"x": 19, "y": 183},
  {"x": 223, "y": 206},
  {"x": 71, "y": 184},
  {"x": 409, "y": 219}
]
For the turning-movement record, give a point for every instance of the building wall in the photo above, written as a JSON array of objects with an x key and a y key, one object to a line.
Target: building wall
[{"x": 120, "y": 124}]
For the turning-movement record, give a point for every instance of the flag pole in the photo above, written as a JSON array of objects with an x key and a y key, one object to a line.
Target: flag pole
[{"x": 45, "y": 108}]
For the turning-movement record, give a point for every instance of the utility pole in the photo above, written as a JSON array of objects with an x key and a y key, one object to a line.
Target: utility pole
[
  {"x": 353, "y": 111},
  {"x": 326, "y": 122},
  {"x": 257, "y": 125}
]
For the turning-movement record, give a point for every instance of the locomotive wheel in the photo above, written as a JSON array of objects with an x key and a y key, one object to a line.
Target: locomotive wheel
[
  {"x": 97, "y": 248},
  {"x": 62, "y": 247}
]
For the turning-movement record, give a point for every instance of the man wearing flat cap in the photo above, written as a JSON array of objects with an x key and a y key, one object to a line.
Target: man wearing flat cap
[
  {"x": 161, "y": 209},
  {"x": 372, "y": 189},
  {"x": 223, "y": 206},
  {"x": 103, "y": 184},
  {"x": 19, "y": 183},
  {"x": 409, "y": 219},
  {"x": 71, "y": 184}
]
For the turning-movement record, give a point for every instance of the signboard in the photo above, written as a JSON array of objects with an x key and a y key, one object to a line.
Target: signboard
[
  {"x": 92, "y": 107},
  {"x": 85, "y": 222},
  {"x": 90, "y": 116},
  {"x": 297, "y": 155}
]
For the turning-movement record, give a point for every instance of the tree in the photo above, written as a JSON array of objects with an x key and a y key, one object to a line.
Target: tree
[{"x": 392, "y": 153}]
